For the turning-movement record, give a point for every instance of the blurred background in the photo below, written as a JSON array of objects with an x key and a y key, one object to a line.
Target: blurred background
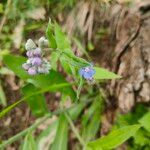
[{"x": 114, "y": 34}]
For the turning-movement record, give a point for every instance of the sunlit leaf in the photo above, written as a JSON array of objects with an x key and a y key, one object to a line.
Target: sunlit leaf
[
  {"x": 62, "y": 41},
  {"x": 60, "y": 142},
  {"x": 91, "y": 120},
  {"x": 50, "y": 36},
  {"x": 29, "y": 143},
  {"x": 46, "y": 89},
  {"x": 104, "y": 74},
  {"x": 42, "y": 80},
  {"x": 145, "y": 121},
  {"x": 115, "y": 138}
]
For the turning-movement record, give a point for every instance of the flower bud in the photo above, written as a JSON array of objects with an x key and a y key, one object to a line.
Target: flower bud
[
  {"x": 36, "y": 61},
  {"x": 32, "y": 71},
  {"x": 43, "y": 42},
  {"x": 37, "y": 52},
  {"x": 30, "y": 45},
  {"x": 29, "y": 53}
]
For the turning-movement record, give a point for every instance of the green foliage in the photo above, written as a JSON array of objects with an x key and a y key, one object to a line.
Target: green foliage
[
  {"x": 49, "y": 88},
  {"x": 50, "y": 35},
  {"x": 15, "y": 64},
  {"x": 145, "y": 121},
  {"x": 104, "y": 74},
  {"x": 142, "y": 136},
  {"x": 37, "y": 102},
  {"x": 41, "y": 81},
  {"x": 29, "y": 143},
  {"x": 115, "y": 138},
  {"x": 60, "y": 141},
  {"x": 34, "y": 88},
  {"x": 47, "y": 136},
  {"x": 91, "y": 119}
]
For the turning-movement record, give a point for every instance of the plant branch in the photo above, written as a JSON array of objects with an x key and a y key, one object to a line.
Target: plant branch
[{"x": 37, "y": 123}]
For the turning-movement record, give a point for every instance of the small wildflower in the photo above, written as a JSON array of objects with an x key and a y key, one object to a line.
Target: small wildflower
[
  {"x": 87, "y": 72},
  {"x": 32, "y": 71},
  {"x": 37, "y": 52},
  {"x": 35, "y": 63}
]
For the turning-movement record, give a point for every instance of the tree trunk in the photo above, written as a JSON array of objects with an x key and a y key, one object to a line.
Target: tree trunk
[{"x": 132, "y": 58}]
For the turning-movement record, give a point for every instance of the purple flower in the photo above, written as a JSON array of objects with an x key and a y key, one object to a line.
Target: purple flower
[
  {"x": 36, "y": 61},
  {"x": 32, "y": 71},
  {"x": 87, "y": 72},
  {"x": 29, "y": 53},
  {"x": 34, "y": 53},
  {"x": 37, "y": 52}
]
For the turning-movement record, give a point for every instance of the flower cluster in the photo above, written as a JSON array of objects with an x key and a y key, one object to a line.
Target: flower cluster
[
  {"x": 35, "y": 63},
  {"x": 87, "y": 72}
]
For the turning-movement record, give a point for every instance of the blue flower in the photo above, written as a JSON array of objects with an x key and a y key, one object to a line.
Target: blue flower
[{"x": 87, "y": 72}]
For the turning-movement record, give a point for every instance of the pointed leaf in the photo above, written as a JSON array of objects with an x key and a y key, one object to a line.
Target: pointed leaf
[
  {"x": 42, "y": 81},
  {"x": 29, "y": 143},
  {"x": 60, "y": 142},
  {"x": 115, "y": 138},
  {"x": 37, "y": 102},
  {"x": 50, "y": 36},
  {"x": 104, "y": 74},
  {"x": 145, "y": 121},
  {"x": 61, "y": 39}
]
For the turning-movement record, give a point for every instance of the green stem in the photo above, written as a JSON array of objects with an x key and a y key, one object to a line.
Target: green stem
[
  {"x": 9, "y": 108},
  {"x": 36, "y": 124},
  {"x": 19, "y": 135},
  {"x": 75, "y": 130}
]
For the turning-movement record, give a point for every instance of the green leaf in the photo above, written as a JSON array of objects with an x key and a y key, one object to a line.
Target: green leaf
[
  {"x": 145, "y": 121},
  {"x": 29, "y": 143},
  {"x": 104, "y": 74},
  {"x": 60, "y": 142},
  {"x": 2, "y": 96},
  {"x": 65, "y": 64},
  {"x": 115, "y": 138},
  {"x": 54, "y": 58},
  {"x": 62, "y": 41},
  {"x": 47, "y": 136},
  {"x": 91, "y": 120},
  {"x": 50, "y": 36},
  {"x": 37, "y": 102},
  {"x": 15, "y": 64},
  {"x": 76, "y": 111},
  {"x": 42, "y": 80},
  {"x": 141, "y": 138},
  {"x": 46, "y": 89}
]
